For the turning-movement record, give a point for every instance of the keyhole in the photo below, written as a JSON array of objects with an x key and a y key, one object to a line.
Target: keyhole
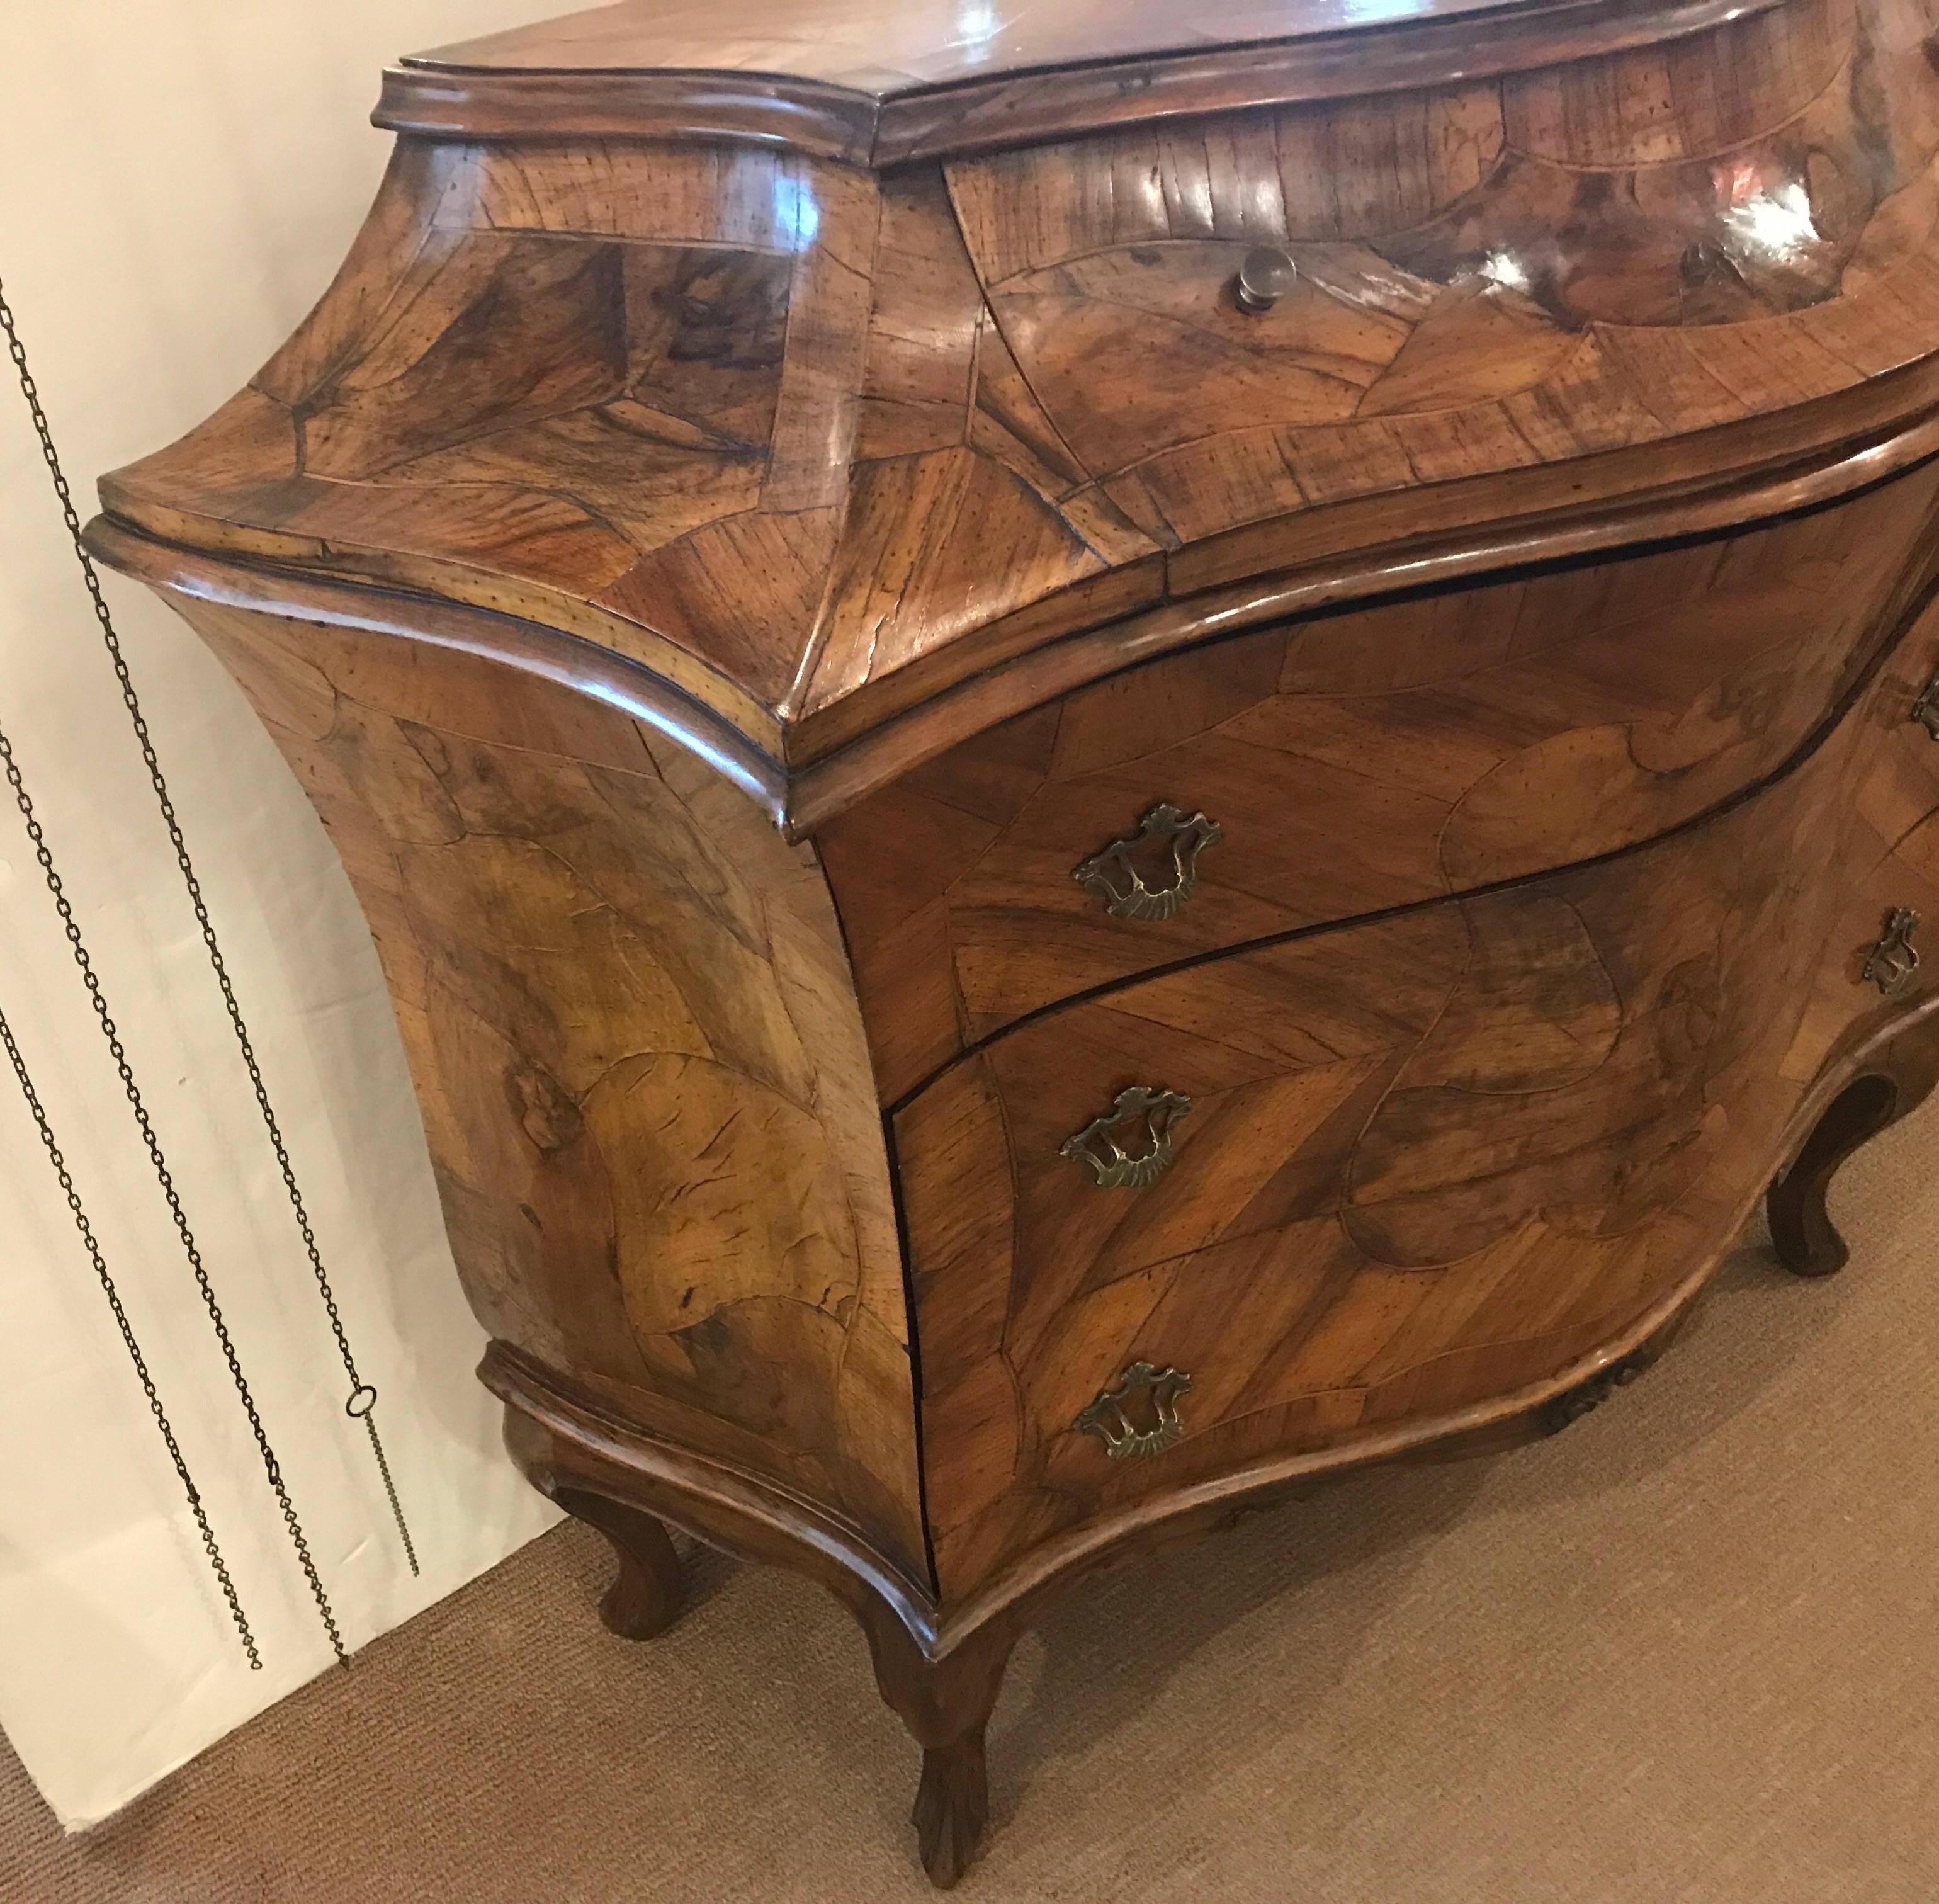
[
  {"x": 1156, "y": 862},
  {"x": 1140, "y": 1412}
]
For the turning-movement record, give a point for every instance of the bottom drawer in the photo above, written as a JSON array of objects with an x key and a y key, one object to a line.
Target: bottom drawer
[{"x": 1427, "y": 1160}]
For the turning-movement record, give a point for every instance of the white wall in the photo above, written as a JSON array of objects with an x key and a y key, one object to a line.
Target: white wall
[{"x": 182, "y": 177}]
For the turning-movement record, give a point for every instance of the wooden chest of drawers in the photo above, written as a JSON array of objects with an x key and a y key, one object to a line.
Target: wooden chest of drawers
[{"x": 1106, "y": 765}]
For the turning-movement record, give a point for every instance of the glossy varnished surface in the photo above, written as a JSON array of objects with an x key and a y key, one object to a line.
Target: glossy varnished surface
[
  {"x": 889, "y": 83},
  {"x": 631, "y": 1025},
  {"x": 1358, "y": 762},
  {"x": 1890, "y": 857},
  {"x": 1428, "y": 1160},
  {"x": 886, "y": 49},
  {"x": 1503, "y": 274},
  {"x": 567, "y": 385},
  {"x": 756, "y": 422},
  {"x": 761, "y": 507}
]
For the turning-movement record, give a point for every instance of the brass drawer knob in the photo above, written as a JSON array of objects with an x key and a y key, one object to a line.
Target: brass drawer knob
[
  {"x": 1895, "y": 958},
  {"x": 1113, "y": 875},
  {"x": 1925, "y": 709},
  {"x": 1110, "y": 1417},
  {"x": 1145, "y": 1116},
  {"x": 1268, "y": 274}
]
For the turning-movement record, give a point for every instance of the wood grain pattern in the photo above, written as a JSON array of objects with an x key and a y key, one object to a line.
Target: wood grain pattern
[
  {"x": 1889, "y": 858},
  {"x": 755, "y": 419},
  {"x": 1353, "y": 763},
  {"x": 581, "y": 381},
  {"x": 1529, "y": 992},
  {"x": 891, "y": 84},
  {"x": 956, "y": 457},
  {"x": 1492, "y": 277},
  {"x": 697, "y": 506},
  {"x": 1884, "y": 1061},
  {"x": 1533, "y": 1016},
  {"x": 632, "y": 1028},
  {"x": 1653, "y": 104},
  {"x": 884, "y": 50},
  {"x": 1429, "y": 1159},
  {"x": 942, "y": 1683},
  {"x": 940, "y": 1673}
]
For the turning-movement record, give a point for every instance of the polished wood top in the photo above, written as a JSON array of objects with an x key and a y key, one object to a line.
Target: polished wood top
[
  {"x": 883, "y": 82},
  {"x": 887, "y": 47},
  {"x": 853, "y": 467}
]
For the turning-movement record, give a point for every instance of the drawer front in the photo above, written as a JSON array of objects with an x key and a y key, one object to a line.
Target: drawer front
[
  {"x": 1484, "y": 276},
  {"x": 1878, "y": 960},
  {"x": 1427, "y": 1160},
  {"x": 1346, "y": 764}
]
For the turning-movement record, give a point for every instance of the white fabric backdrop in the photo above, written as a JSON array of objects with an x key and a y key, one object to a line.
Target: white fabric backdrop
[{"x": 181, "y": 177}]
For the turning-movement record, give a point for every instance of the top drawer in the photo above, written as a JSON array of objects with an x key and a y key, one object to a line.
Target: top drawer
[
  {"x": 1349, "y": 763},
  {"x": 1474, "y": 276}
]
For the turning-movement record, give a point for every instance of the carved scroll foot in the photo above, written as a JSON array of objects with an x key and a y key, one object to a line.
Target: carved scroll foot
[
  {"x": 942, "y": 1687},
  {"x": 952, "y": 1807},
  {"x": 945, "y": 1704},
  {"x": 648, "y": 1591}
]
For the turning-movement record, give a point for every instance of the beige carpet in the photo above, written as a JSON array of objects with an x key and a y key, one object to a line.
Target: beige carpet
[{"x": 1689, "y": 1650}]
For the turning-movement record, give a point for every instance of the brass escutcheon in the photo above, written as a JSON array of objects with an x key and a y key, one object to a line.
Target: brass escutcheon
[
  {"x": 1111, "y": 875},
  {"x": 1136, "y": 1108},
  {"x": 1895, "y": 958},
  {"x": 1106, "y": 1417}
]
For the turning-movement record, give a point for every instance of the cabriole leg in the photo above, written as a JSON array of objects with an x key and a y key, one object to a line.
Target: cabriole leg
[
  {"x": 942, "y": 1692},
  {"x": 945, "y": 1704},
  {"x": 1899, "y": 1074},
  {"x": 649, "y": 1591},
  {"x": 1802, "y": 1232}
]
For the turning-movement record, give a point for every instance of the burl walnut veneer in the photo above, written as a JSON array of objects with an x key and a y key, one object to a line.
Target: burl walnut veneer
[{"x": 1103, "y": 763}]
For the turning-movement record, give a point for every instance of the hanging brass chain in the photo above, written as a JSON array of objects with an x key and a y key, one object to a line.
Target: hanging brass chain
[
  {"x": 159, "y": 1163},
  {"x": 127, "y": 1329},
  {"x": 362, "y": 1401}
]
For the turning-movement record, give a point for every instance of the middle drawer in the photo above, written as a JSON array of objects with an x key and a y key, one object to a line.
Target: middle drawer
[{"x": 1324, "y": 769}]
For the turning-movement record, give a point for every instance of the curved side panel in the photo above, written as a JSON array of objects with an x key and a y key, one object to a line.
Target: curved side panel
[
  {"x": 608, "y": 387},
  {"x": 632, "y": 1026}
]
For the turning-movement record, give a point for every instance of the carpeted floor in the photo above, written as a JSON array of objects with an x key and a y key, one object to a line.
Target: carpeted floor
[{"x": 1687, "y": 1651}]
